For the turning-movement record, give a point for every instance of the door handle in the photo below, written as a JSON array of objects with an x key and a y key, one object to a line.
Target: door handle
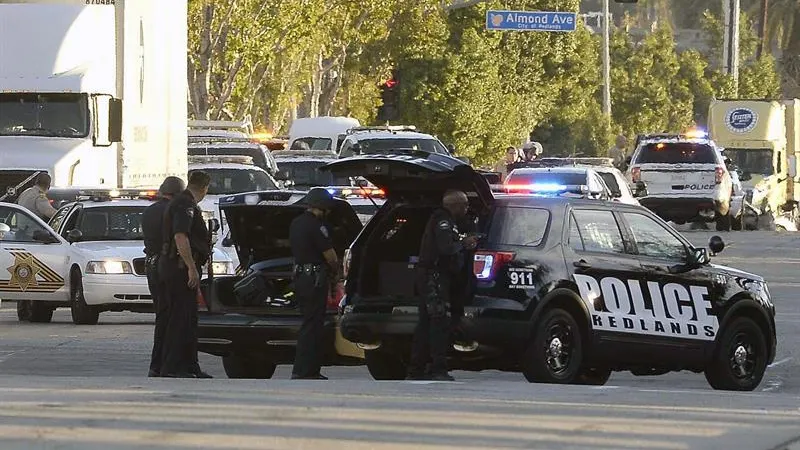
[
  {"x": 654, "y": 268},
  {"x": 582, "y": 264}
]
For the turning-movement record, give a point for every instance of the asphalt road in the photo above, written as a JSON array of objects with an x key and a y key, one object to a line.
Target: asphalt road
[{"x": 67, "y": 386}]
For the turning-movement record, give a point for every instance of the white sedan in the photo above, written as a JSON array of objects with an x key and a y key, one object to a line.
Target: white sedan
[{"x": 90, "y": 258}]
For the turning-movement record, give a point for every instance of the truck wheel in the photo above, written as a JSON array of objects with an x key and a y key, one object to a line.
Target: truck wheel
[
  {"x": 724, "y": 222},
  {"x": 740, "y": 359},
  {"x": 594, "y": 376},
  {"x": 41, "y": 312},
  {"x": 248, "y": 366},
  {"x": 556, "y": 353},
  {"x": 385, "y": 365},
  {"x": 24, "y": 310},
  {"x": 82, "y": 314}
]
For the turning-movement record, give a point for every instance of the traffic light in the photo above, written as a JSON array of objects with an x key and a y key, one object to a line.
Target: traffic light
[{"x": 390, "y": 109}]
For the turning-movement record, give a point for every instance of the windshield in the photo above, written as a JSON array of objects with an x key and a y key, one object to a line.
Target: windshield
[
  {"x": 751, "y": 160},
  {"x": 235, "y": 181},
  {"x": 372, "y": 146},
  {"x": 676, "y": 153},
  {"x": 33, "y": 114},
  {"x": 311, "y": 143},
  {"x": 305, "y": 174},
  {"x": 611, "y": 182},
  {"x": 119, "y": 223},
  {"x": 529, "y": 178}
]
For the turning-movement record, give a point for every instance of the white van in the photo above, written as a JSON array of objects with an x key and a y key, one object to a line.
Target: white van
[{"x": 320, "y": 133}]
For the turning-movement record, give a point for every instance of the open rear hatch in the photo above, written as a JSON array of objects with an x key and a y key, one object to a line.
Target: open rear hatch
[{"x": 259, "y": 226}]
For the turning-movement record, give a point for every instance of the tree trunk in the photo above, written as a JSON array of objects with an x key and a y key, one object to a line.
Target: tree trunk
[
  {"x": 199, "y": 72},
  {"x": 315, "y": 87}
]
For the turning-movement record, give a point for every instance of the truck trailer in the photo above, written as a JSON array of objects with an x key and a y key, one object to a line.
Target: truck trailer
[
  {"x": 762, "y": 141},
  {"x": 92, "y": 92}
]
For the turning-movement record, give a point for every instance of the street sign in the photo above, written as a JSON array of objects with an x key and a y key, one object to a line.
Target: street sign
[{"x": 531, "y": 20}]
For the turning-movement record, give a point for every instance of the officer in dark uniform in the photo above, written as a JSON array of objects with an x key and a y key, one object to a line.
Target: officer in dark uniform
[
  {"x": 315, "y": 273},
  {"x": 442, "y": 257},
  {"x": 184, "y": 254},
  {"x": 152, "y": 229}
]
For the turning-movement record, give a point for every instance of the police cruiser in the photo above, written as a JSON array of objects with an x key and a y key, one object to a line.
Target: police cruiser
[
  {"x": 89, "y": 258},
  {"x": 685, "y": 176},
  {"x": 389, "y": 139},
  {"x": 566, "y": 290}
]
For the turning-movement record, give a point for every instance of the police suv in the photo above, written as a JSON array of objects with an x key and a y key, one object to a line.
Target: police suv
[
  {"x": 374, "y": 140},
  {"x": 89, "y": 258},
  {"x": 566, "y": 290},
  {"x": 685, "y": 176}
]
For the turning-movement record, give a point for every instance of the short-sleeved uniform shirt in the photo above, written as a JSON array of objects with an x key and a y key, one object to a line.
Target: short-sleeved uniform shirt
[
  {"x": 153, "y": 227},
  {"x": 186, "y": 217},
  {"x": 309, "y": 238},
  {"x": 35, "y": 200},
  {"x": 441, "y": 248}
]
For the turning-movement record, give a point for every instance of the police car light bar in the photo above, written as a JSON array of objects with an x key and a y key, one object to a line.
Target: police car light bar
[
  {"x": 98, "y": 195},
  {"x": 246, "y": 124},
  {"x": 548, "y": 188},
  {"x": 356, "y": 192},
  {"x": 587, "y": 161},
  {"x": 384, "y": 128},
  {"x": 222, "y": 159}
]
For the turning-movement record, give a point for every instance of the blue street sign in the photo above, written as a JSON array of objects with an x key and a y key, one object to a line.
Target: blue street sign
[{"x": 531, "y": 20}]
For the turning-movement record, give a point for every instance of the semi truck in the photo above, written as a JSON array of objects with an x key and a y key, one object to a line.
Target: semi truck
[
  {"x": 761, "y": 139},
  {"x": 92, "y": 92}
]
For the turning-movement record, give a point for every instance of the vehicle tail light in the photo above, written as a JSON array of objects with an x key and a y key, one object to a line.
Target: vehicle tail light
[
  {"x": 201, "y": 301},
  {"x": 348, "y": 256},
  {"x": 486, "y": 264},
  {"x": 334, "y": 297},
  {"x": 718, "y": 174},
  {"x": 636, "y": 174}
]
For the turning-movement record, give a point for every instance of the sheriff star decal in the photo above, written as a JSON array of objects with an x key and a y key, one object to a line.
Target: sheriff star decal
[{"x": 28, "y": 274}]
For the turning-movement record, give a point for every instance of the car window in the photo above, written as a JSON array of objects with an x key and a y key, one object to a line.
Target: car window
[
  {"x": 234, "y": 181},
  {"x": 306, "y": 174},
  {"x": 575, "y": 241},
  {"x": 611, "y": 182},
  {"x": 654, "y": 240},
  {"x": 599, "y": 231},
  {"x": 23, "y": 225},
  {"x": 311, "y": 143},
  {"x": 519, "y": 226},
  {"x": 372, "y": 146},
  {"x": 676, "y": 152},
  {"x": 58, "y": 218}
]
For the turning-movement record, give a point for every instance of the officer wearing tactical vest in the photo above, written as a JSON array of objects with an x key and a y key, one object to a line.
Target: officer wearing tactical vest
[
  {"x": 35, "y": 198},
  {"x": 315, "y": 273},
  {"x": 154, "y": 238},
  {"x": 441, "y": 261},
  {"x": 184, "y": 254}
]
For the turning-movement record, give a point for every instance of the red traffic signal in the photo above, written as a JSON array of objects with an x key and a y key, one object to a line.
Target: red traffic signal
[{"x": 390, "y": 83}]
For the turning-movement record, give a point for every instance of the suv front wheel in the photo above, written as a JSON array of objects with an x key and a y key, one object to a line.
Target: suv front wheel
[
  {"x": 740, "y": 358},
  {"x": 556, "y": 353}
]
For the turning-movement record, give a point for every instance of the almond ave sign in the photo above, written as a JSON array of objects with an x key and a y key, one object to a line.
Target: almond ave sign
[{"x": 531, "y": 20}]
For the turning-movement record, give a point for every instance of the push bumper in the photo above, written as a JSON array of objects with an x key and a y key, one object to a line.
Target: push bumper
[{"x": 276, "y": 337}]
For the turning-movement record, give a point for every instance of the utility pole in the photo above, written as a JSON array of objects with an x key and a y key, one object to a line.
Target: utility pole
[
  {"x": 762, "y": 29},
  {"x": 606, "y": 61},
  {"x": 730, "y": 47}
]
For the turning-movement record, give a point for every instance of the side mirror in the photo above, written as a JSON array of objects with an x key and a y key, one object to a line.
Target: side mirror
[
  {"x": 451, "y": 148},
  {"x": 213, "y": 225},
  {"x": 281, "y": 175},
  {"x": 699, "y": 257},
  {"x": 43, "y": 237},
  {"x": 108, "y": 128},
  {"x": 288, "y": 183},
  {"x": 641, "y": 190},
  {"x": 716, "y": 245},
  {"x": 115, "y": 120},
  {"x": 74, "y": 235}
]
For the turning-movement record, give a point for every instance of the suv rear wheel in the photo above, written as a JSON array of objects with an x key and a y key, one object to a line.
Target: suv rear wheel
[
  {"x": 248, "y": 366},
  {"x": 740, "y": 359},
  {"x": 556, "y": 353},
  {"x": 385, "y": 365}
]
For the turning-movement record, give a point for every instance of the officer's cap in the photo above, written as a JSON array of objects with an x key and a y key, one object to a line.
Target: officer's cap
[
  {"x": 319, "y": 198},
  {"x": 171, "y": 186}
]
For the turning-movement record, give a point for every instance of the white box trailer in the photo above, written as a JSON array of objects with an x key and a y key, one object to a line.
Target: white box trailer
[{"x": 92, "y": 92}]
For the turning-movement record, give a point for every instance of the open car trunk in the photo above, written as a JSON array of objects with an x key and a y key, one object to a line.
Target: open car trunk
[{"x": 260, "y": 233}]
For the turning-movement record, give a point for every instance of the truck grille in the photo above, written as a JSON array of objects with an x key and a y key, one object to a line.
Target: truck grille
[
  {"x": 139, "y": 266},
  {"x": 9, "y": 179}
]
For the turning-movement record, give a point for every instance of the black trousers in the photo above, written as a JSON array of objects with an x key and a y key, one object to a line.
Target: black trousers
[
  {"x": 180, "y": 338},
  {"x": 432, "y": 334},
  {"x": 161, "y": 307},
  {"x": 311, "y": 292}
]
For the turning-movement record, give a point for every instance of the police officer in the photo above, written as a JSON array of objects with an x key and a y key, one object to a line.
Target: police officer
[
  {"x": 35, "y": 198},
  {"x": 184, "y": 253},
  {"x": 315, "y": 273},
  {"x": 441, "y": 261},
  {"x": 152, "y": 228}
]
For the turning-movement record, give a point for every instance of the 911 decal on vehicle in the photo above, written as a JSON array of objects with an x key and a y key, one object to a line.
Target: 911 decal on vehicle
[
  {"x": 670, "y": 309},
  {"x": 521, "y": 278}
]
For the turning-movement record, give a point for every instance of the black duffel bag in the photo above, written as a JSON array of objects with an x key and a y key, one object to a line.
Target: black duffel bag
[{"x": 252, "y": 290}]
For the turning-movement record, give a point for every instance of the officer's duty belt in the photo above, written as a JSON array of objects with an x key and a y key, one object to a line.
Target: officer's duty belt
[{"x": 307, "y": 268}]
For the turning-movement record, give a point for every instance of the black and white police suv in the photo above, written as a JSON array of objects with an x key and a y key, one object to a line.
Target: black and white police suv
[
  {"x": 566, "y": 289},
  {"x": 251, "y": 320}
]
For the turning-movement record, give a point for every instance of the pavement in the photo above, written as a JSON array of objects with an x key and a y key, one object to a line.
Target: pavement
[{"x": 84, "y": 387}]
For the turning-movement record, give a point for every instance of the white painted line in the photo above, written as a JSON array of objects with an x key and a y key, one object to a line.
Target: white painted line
[
  {"x": 778, "y": 363},
  {"x": 773, "y": 385},
  {"x": 605, "y": 387}
]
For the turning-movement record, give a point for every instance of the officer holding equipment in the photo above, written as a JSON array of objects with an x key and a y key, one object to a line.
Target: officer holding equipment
[
  {"x": 183, "y": 255},
  {"x": 441, "y": 261},
  {"x": 154, "y": 238},
  {"x": 315, "y": 274}
]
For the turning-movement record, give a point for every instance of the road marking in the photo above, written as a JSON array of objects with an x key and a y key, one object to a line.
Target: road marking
[
  {"x": 5, "y": 355},
  {"x": 605, "y": 387},
  {"x": 773, "y": 385},
  {"x": 778, "y": 363}
]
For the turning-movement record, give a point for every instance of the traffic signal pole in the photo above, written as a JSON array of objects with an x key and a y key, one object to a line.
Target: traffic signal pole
[
  {"x": 730, "y": 47},
  {"x": 606, "y": 61}
]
